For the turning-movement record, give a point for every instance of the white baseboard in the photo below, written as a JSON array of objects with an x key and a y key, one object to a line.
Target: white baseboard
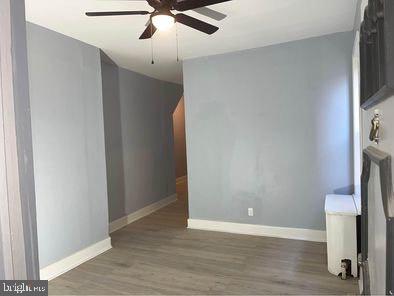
[
  {"x": 181, "y": 179},
  {"x": 122, "y": 222},
  {"x": 58, "y": 268},
  {"x": 258, "y": 230}
]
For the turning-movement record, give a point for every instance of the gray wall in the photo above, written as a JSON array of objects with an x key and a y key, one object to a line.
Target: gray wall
[
  {"x": 270, "y": 128},
  {"x": 139, "y": 138},
  {"x": 68, "y": 143},
  {"x": 180, "y": 139}
]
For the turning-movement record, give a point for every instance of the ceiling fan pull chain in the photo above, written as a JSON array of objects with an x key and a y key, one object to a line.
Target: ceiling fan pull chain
[
  {"x": 151, "y": 43},
  {"x": 177, "y": 42}
]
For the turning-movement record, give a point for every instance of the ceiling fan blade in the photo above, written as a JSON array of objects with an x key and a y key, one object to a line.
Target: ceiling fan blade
[
  {"x": 154, "y": 3},
  {"x": 149, "y": 31},
  {"x": 213, "y": 14},
  {"x": 195, "y": 23},
  {"x": 193, "y": 4},
  {"x": 112, "y": 13}
]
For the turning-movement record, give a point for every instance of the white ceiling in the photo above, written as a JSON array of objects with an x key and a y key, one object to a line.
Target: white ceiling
[{"x": 250, "y": 24}]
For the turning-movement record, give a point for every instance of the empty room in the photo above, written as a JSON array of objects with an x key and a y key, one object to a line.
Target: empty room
[{"x": 196, "y": 147}]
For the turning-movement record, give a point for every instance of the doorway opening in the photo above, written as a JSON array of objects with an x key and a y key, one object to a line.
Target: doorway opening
[{"x": 180, "y": 154}]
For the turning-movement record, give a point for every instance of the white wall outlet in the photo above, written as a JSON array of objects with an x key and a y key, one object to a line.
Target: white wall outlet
[{"x": 250, "y": 212}]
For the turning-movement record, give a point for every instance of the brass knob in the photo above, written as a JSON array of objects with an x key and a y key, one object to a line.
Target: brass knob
[{"x": 374, "y": 135}]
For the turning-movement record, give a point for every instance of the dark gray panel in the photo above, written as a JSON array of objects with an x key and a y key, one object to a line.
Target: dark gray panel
[
  {"x": 383, "y": 160},
  {"x": 377, "y": 53}
]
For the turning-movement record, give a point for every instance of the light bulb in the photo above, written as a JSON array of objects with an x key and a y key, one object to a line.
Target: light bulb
[{"x": 163, "y": 22}]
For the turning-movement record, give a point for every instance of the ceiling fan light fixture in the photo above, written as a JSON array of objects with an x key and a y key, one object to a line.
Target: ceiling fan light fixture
[{"x": 163, "y": 21}]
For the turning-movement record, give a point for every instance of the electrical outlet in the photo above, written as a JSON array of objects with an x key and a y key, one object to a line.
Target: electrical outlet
[{"x": 250, "y": 212}]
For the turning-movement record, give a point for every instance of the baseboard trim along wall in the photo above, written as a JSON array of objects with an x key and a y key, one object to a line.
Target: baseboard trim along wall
[
  {"x": 58, "y": 268},
  {"x": 122, "y": 222},
  {"x": 181, "y": 179},
  {"x": 259, "y": 230}
]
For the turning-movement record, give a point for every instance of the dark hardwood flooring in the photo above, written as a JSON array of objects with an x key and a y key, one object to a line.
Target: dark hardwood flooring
[{"x": 158, "y": 255}]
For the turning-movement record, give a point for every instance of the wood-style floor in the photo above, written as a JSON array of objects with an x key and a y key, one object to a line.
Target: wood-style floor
[{"x": 158, "y": 255}]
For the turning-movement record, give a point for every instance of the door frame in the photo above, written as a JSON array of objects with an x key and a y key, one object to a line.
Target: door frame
[
  {"x": 357, "y": 117},
  {"x": 18, "y": 227}
]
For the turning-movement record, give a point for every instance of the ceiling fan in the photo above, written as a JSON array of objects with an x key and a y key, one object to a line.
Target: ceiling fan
[{"x": 162, "y": 17}]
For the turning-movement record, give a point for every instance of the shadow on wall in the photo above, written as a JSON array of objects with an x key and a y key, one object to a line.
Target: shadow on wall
[
  {"x": 113, "y": 138},
  {"x": 139, "y": 138},
  {"x": 348, "y": 190}
]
